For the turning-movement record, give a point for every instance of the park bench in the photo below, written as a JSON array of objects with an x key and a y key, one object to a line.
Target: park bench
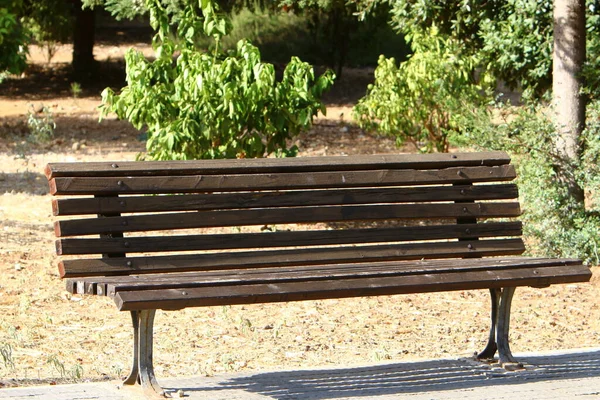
[{"x": 170, "y": 235}]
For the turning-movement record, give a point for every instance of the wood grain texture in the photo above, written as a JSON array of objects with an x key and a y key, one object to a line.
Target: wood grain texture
[
  {"x": 269, "y": 165},
  {"x": 138, "y": 256},
  {"x": 289, "y": 215},
  {"x": 214, "y": 201},
  {"x": 276, "y": 181},
  {"x": 289, "y": 257},
  {"x": 245, "y": 276},
  {"x": 172, "y": 299},
  {"x": 178, "y": 243}
]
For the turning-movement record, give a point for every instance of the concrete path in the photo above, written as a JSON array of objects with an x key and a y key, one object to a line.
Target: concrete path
[{"x": 573, "y": 374}]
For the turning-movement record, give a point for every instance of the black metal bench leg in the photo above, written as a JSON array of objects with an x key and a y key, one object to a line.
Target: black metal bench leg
[
  {"x": 506, "y": 358},
  {"x": 498, "y": 338},
  {"x": 142, "y": 371},
  {"x": 132, "y": 379},
  {"x": 491, "y": 347}
]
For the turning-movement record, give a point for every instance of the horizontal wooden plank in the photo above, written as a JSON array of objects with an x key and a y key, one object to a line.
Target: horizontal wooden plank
[
  {"x": 266, "y": 165},
  {"x": 172, "y": 299},
  {"x": 206, "y": 219},
  {"x": 288, "y": 257},
  {"x": 213, "y": 201},
  {"x": 276, "y": 181},
  {"x": 175, "y": 243},
  {"x": 112, "y": 285}
]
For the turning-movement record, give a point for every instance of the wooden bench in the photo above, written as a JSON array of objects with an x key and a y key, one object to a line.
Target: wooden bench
[{"x": 143, "y": 234}]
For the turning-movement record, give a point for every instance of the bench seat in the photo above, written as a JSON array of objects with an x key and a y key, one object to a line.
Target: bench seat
[{"x": 175, "y": 291}]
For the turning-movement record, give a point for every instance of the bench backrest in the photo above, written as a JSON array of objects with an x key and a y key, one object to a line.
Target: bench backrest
[{"x": 152, "y": 217}]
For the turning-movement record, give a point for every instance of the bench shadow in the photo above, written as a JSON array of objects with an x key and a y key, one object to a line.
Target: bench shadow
[{"x": 398, "y": 378}]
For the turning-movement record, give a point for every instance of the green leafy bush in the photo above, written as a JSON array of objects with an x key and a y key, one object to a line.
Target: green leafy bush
[
  {"x": 554, "y": 224},
  {"x": 197, "y": 104},
  {"x": 424, "y": 100},
  {"x": 13, "y": 44}
]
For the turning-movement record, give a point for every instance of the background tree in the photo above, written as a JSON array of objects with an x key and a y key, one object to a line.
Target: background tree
[
  {"x": 555, "y": 147},
  {"x": 569, "y": 100},
  {"x": 84, "y": 38}
]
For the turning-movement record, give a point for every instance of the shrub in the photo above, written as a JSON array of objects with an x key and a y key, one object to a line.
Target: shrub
[
  {"x": 423, "y": 100},
  {"x": 554, "y": 225},
  {"x": 213, "y": 105},
  {"x": 13, "y": 44}
]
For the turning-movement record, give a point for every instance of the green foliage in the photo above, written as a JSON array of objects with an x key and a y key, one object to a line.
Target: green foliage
[
  {"x": 518, "y": 47},
  {"x": 555, "y": 225},
  {"x": 423, "y": 100},
  {"x": 213, "y": 105},
  {"x": 41, "y": 126},
  {"x": 278, "y": 35},
  {"x": 13, "y": 44},
  {"x": 512, "y": 38},
  {"x": 336, "y": 37},
  {"x": 49, "y": 21},
  {"x": 75, "y": 89}
]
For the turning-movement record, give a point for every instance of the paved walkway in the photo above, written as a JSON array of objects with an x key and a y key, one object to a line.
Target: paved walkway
[{"x": 573, "y": 374}]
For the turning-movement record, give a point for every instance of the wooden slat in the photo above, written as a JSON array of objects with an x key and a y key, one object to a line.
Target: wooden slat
[
  {"x": 266, "y": 165},
  {"x": 171, "y": 299},
  {"x": 276, "y": 181},
  {"x": 149, "y": 244},
  {"x": 289, "y": 257},
  {"x": 112, "y": 285},
  {"x": 131, "y": 204},
  {"x": 206, "y": 219}
]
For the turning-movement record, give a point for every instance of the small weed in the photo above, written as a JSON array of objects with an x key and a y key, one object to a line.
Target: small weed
[
  {"x": 7, "y": 358},
  {"x": 57, "y": 365},
  {"x": 75, "y": 89},
  {"x": 382, "y": 354},
  {"x": 75, "y": 373},
  {"x": 41, "y": 126},
  {"x": 245, "y": 325},
  {"x": 117, "y": 370}
]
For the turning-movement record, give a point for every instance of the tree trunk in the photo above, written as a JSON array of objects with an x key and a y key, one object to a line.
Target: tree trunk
[
  {"x": 83, "y": 41},
  {"x": 569, "y": 102}
]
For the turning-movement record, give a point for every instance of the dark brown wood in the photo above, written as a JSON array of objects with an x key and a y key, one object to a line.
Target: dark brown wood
[
  {"x": 267, "y": 165},
  {"x": 206, "y": 219},
  {"x": 173, "y": 299},
  {"x": 153, "y": 244},
  {"x": 413, "y": 224},
  {"x": 276, "y": 181},
  {"x": 288, "y": 257},
  {"x": 112, "y": 285},
  {"x": 213, "y": 201}
]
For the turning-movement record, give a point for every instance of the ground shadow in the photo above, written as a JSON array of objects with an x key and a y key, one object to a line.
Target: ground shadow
[
  {"x": 23, "y": 182},
  {"x": 402, "y": 378}
]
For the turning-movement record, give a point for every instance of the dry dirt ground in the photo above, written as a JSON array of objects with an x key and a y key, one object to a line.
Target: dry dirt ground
[{"x": 47, "y": 335}]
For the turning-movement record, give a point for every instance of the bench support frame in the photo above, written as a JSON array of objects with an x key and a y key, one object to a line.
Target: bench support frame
[
  {"x": 501, "y": 300},
  {"x": 142, "y": 370}
]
